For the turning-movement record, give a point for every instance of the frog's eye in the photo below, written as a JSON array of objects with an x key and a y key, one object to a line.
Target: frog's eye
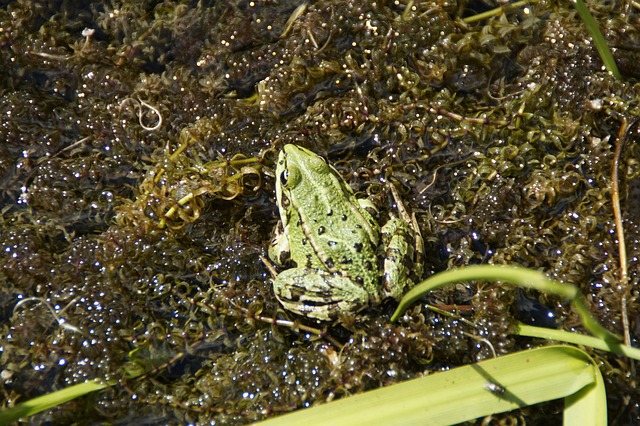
[
  {"x": 290, "y": 177},
  {"x": 283, "y": 177}
]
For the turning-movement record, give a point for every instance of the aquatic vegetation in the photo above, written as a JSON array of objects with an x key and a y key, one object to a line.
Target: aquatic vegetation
[{"x": 137, "y": 151}]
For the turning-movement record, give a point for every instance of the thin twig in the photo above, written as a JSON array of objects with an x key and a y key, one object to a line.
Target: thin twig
[{"x": 617, "y": 214}]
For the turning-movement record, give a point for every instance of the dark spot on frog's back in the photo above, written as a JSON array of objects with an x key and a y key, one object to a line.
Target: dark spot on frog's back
[
  {"x": 359, "y": 280},
  {"x": 344, "y": 217},
  {"x": 330, "y": 263},
  {"x": 330, "y": 212},
  {"x": 368, "y": 265},
  {"x": 358, "y": 247},
  {"x": 321, "y": 230},
  {"x": 331, "y": 243},
  {"x": 346, "y": 261}
]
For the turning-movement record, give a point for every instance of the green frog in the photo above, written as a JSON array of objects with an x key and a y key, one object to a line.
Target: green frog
[{"x": 334, "y": 240}]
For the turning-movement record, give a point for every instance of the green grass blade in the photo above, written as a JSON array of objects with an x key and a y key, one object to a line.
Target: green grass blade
[
  {"x": 511, "y": 274},
  {"x": 588, "y": 405},
  {"x": 497, "y": 11},
  {"x": 598, "y": 38},
  {"x": 45, "y": 402},
  {"x": 462, "y": 394},
  {"x": 578, "y": 339}
]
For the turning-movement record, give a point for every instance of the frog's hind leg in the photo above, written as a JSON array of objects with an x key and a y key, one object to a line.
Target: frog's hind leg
[
  {"x": 319, "y": 294},
  {"x": 418, "y": 240},
  {"x": 398, "y": 240},
  {"x": 404, "y": 250}
]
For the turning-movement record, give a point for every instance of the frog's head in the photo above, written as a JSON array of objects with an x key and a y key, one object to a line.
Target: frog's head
[
  {"x": 298, "y": 165},
  {"x": 306, "y": 182},
  {"x": 300, "y": 169}
]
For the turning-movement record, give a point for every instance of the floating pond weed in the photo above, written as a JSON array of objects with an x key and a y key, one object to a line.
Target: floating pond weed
[{"x": 137, "y": 188}]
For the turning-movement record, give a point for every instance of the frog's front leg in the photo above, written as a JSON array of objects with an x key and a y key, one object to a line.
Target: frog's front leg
[
  {"x": 279, "y": 249},
  {"x": 319, "y": 294}
]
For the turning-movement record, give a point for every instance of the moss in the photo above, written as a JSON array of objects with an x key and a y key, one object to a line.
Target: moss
[{"x": 499, "y": 136}]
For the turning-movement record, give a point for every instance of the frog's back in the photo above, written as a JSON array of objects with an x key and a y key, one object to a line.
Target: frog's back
[{"x": 335, "y": 232}]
